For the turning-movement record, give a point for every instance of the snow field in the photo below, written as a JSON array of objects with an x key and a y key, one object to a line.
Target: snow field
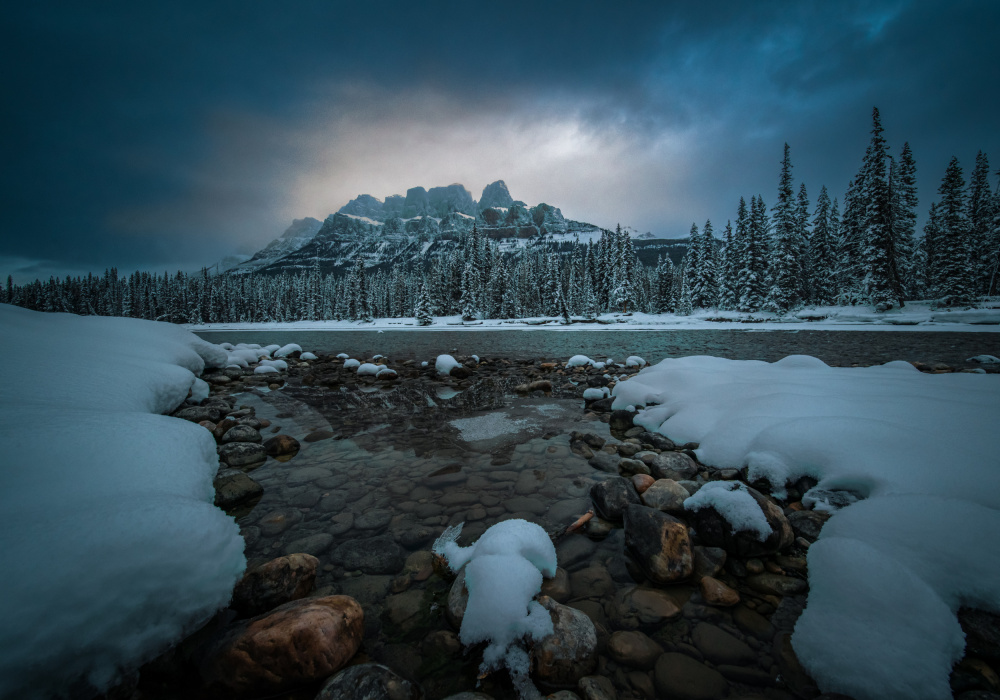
[
  {"x": 114, "y": 549},
  {"x": 888, "y": 573}
]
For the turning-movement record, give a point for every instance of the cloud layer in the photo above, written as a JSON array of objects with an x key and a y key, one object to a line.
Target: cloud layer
[{"x": 168, "y": 136}]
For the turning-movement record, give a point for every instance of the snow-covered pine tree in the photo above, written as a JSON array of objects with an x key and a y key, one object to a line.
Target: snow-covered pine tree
[
  {"x": 955, "y": 274},
  {"x": 684, "y": 306},
  {"x": 823, "y": 252},
  {"x": 802, "y": 226},
  {"x": 468, "y": 310},
  {"x": 981, "y": 223},
  {"x": 785, "y": 266},
  {"x": 693, "y": 266},
  {"x": 848, "y": 279},
  {"x": 728, "y": 259},
  {"x": 994, "y": 245},
  {"x": 752, "y": 277},
  {"x": 664, "y": 285},
  {"x": 904, "y": 218},
  {"x": 422, "y": 312}
]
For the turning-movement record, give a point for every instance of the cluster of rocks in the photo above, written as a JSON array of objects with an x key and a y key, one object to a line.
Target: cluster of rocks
[
  {"x": 237, "y": 432},
  {"x": 732, "y": 636}
]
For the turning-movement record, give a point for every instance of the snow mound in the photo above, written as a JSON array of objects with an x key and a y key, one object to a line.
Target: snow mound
[
  {"x": 351, "y": 364},
  {"x": 114, "y": 549},
  {"x": 286, "y": 350},
  {"x": 579, "y": 361},
  {"x": 734, "y": 503},
  {"x": 984, "y": 359},
  {"x": 308, "y": 356},
  {"x": 503, "y": 573},
  {"x": 342, "y": 356},
  {"x": 890, "y": 571},
  {"x": 634, "y": 361},
  {"x": 445, "y": 363},
  {"x": 594, "y": 393},
  {"x": 265, "y": 369},
  {"x": 368, "y": 369},
  {"x": 277, "y": 364}
]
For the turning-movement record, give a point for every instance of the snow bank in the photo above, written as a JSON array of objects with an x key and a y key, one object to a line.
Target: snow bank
[
  {"x": 503, "y": 573},
  {"x": 888, "y": 573},
  {"x": 445, "y": 363},
  {"x": 113, "y": 548}
]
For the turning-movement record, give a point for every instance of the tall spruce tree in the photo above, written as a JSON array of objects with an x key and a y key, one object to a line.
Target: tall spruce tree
[
  {"x": 753, "y": 256},
  {"x": 823, "y": 252},
  {"x": 981, "y": 223},
  {"x": 904, "y": 218},
  {"x": 881, "y": 283},
  {"x": 955, "y": 274},
  {"x": 422, "y": 312},
  {"x": 728, "y": 259},
  {"x": 786, "y": 246}
]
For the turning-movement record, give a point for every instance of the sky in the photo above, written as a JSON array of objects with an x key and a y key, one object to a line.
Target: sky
[{"x": 165, "y": 136}]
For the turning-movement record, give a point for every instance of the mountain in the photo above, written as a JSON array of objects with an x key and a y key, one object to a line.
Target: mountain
[
  {"x": 424, "y": 224},
  {"x": 300, "y": 233},
  {"x": 412, "y": 228}
]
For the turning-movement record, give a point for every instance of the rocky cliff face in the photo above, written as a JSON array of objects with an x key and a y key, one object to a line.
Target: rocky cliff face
[{"x": 496, "y": 194}]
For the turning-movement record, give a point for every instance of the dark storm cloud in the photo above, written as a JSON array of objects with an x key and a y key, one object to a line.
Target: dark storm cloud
[{"x": 167, "y": 135}]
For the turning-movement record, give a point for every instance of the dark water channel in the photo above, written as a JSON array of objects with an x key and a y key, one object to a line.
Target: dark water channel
[{"x": 833, "y": 347}]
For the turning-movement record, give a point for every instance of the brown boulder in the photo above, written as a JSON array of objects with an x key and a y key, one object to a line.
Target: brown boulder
[
  {"x": 714, "y": 530},
  {"x": 277, "y": 582},
  {"x": 570, "y": 652},
  {"x": 298, "y": 643},
  {"x": 659, "y": 544},
  {"x": 715, "y": 592},
  {"x": 641, "y": 482},
  {"x": 281, "y": 445}
]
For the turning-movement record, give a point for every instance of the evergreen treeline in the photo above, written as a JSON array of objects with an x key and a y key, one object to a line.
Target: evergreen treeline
[{"x": 870, "y": 254}]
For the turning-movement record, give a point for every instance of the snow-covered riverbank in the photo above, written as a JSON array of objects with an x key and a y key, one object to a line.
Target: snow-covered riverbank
[
  {"x": 917, "y": 316},
  {"x": 112, "y": 546}
]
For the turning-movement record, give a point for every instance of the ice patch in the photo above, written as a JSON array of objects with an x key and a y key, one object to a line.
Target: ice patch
[{"x": 489, "y": 426}]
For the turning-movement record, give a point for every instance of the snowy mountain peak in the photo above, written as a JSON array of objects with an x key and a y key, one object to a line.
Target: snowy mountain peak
[{"x": 496, "y": 195}]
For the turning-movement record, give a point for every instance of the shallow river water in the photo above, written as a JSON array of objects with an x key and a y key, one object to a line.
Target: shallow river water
[{"x": 383, "y": 470}]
